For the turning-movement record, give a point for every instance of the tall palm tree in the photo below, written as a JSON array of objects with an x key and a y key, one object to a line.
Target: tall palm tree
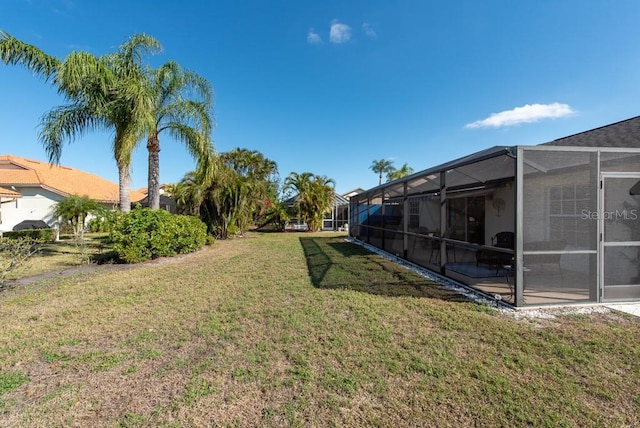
[
  {"x": 404, "y": 171},
  {"x": 380, "y": 167},
  {"x": 182, "y": 105},
  {"x": 109, "y": 92}
]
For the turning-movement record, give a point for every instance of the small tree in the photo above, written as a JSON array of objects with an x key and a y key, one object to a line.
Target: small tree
[
  {"x": 278, "y": 214},
  {"x": 75, "y": 210},
  {"x": 315, "y": 196},
  {"x": 231, "y": 194},
  {"x": 14, "y": 253}
]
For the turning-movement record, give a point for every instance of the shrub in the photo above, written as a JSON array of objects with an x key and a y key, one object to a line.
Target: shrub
[
  {"x": 98, "y": 224},
  {"x": 145, "y": 234},
  {"x": 14, "y": 253},
  {"x": 37, "y": 235}
]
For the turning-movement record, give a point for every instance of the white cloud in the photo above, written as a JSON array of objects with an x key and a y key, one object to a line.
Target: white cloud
[
  {"x": 339, "y": 32},
  {"x": 313, "y": 37},
  {"x": 368, "y": 30},
  {"x": 526, "y": 114}
]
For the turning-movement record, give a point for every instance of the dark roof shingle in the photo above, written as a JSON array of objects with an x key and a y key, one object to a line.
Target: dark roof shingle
[{"x": 625, "y": 134}]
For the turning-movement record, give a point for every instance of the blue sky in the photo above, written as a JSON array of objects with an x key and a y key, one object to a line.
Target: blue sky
[{"x": 329, "y": 86}]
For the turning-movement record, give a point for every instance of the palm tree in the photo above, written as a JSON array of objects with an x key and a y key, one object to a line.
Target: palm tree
[
  {"x": 110, "y": 92},
  {"x": 75, "y": 210},
  {"x": 250, "y": 163},
  {"x": 182, "y": 104},
  {"x": 380, "y": 167},
  {"x": 404, "y": 171},
  {"x": 228, "y": 196},
  {"x": 189, "y": 193},
  {"x": 263, "y": 172},
  {"x": 322, "y": 197},
  {"x": 278, "y": 214},
  {"x": 315, "y": 196}
]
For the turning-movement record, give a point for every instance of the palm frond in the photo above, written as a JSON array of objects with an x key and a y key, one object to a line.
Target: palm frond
[
  {"x": 16, "y": 52},
  {"x": 65, "y": 123}
]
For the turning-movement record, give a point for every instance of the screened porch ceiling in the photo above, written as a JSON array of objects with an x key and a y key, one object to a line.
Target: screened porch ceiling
[{"x": 474, "y": 171}]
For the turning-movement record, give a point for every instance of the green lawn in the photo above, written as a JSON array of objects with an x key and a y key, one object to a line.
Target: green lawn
[{"x": 299, "y": 330}]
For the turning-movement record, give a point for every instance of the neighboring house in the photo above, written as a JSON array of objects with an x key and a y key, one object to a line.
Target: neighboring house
[
  {"x": 353, "y": 192},
  {"x": 32, "y": 188},
  {"x": 166, "y": 202},
  {"x": 7, "y": 196},
  {"x": 557, "y": 223},
  {"x": 334, "y": 219}
]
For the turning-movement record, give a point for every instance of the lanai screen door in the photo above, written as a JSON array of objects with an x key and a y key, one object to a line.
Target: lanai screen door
[{"x": 620, "y": 240}]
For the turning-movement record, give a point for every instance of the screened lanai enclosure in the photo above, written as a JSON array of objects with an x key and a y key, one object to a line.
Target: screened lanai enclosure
[{"x": 538, "y": 225}]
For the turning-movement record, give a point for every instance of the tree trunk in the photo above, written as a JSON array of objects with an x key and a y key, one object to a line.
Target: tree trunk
[
  {"x": 153, "y": 185},
  {"x": 124, "y": 184}
]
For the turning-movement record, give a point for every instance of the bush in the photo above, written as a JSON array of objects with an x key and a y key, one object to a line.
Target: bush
[
  {"x": 145, "y": 234},
  {"x": 37, "y": 235},
  {"x": 14, "y": 253},
  {"x": 98, "y": 224}
]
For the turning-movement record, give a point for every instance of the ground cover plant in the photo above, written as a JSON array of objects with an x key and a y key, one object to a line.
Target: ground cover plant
[{"x": 300, "y": 330}]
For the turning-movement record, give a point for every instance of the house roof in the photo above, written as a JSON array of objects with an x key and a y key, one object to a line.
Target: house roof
[
  {"x": 164, "y": 200},
  {"x": 625, "y": 133},
  {"x": 7, "y": 193},
  {"x": 18, "y": 171},
  {"x": 353, "y": 192},
  {"x": 339, "y": 200},
  {"x": 492, "y": 152}
]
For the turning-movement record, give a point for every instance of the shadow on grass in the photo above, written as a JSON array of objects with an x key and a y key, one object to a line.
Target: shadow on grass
[
  {"x": 336, "y": 264},
  {"x": 97, "y": 250}
]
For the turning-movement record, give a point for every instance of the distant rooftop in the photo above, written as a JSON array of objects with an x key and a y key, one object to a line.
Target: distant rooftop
[{"x": 18, "y": 171}]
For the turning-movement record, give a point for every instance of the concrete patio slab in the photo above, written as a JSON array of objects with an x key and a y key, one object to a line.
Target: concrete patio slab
[{"x": 629, "y": 308}]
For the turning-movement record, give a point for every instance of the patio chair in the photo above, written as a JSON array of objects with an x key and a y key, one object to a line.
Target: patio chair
[{"x": 497, "y": 258}]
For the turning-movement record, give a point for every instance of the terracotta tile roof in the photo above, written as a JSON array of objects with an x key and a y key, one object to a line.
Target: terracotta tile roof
[
  {"x": 66, "y": 181},
  {"x": 7, "y": 193}
]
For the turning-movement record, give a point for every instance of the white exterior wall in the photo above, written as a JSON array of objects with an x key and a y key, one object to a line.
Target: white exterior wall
[{"x": 35, "y": 204}]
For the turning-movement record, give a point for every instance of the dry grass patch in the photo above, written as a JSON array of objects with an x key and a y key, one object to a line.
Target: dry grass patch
[
  {"x": 63, "y": 255},
  {"x": 299, "y": 330}
]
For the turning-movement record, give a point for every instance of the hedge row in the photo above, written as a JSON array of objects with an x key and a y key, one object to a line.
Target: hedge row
[
  {"x": 38, "y": 235},
  {"x": 145, "y": 234}
]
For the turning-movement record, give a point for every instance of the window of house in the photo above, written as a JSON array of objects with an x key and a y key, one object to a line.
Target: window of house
[
  {"x": 566, "y": 207},
  {"x": 414, "y": 213}
]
